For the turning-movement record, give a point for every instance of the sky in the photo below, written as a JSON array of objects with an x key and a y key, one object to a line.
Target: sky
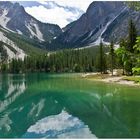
[{"x": 60, "y": 12}]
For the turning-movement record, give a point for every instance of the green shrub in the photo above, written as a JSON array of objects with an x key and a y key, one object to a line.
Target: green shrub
[{"x": 136, "y": 71}]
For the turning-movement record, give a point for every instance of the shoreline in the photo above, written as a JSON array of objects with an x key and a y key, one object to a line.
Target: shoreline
[{"x": 110, "y": 79}]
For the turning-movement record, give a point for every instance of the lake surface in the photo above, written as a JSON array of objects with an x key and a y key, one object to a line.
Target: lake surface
[{"x": 67, "y": 106}]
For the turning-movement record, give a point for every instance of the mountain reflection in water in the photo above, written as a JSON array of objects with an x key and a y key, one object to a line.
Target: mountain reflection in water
[{"x": 66, "y": 106}]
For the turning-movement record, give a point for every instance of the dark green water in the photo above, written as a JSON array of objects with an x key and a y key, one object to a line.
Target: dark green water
[{"x": 66, "y": 106}]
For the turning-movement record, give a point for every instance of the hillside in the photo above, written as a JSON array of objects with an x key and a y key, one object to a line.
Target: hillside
[
  {"x": 18, "y": 46},
  {"x": 103, "y": 20},
  {"x": 13, "y": 17}
]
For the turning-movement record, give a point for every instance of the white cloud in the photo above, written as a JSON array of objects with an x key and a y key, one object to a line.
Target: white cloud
[
  {"x": 56, "y": 15},
  {"x": 59, "y": 15},
  {"x": 81, "y": 4}
]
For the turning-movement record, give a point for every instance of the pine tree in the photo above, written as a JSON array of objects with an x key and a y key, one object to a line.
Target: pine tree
[
  {"x": 100, "y": 63},
  {"x": 101, "y": 57},
  {"x": 132, "y": 36},
  {"x": 130, "y": 47},
  {"x": 3, "y": 53},
  {"x": 112, "y": 56}
]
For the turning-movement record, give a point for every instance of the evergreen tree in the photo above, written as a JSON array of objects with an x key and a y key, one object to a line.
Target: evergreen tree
[
  {"x": 112, "y": 56},
  {"x": 3, "y": 53},
  {"x": 132, "y": 36},
  {"x": 130, "y": 50},
  {"x": 100, "y": 63},
  {"x": 101, "y": 57}
]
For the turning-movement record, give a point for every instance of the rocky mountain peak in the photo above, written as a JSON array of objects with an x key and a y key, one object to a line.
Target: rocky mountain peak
[
  {"x": 13, "y": 17},
  {"x": 103, "y": 20}
]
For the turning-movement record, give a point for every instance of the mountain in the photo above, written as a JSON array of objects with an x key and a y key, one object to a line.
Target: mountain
[
  {"x": 93, "y": 22},
  {"x": 103, "y": 20},
  {"x": 13, "y": 17},
  {"x": 19, "y": 46}
]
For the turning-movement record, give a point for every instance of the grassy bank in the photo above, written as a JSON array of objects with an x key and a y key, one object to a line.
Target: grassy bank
[
  {"x": 126, "y": 80},
  {"x": 135, "y": 79}
]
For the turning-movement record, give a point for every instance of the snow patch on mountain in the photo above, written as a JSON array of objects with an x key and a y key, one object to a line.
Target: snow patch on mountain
[
  {"x": 90, "y": 34},
  {"x": 100, "y": 39},
  {"x": 34, "y": 30},
  {"x": 20, "y": 53},
  {"x": 38, "y": 32},
  {"x": 14, "y": 18},
  {"x": 3, "y": 19},
  {"x": 19, "y": 32}
]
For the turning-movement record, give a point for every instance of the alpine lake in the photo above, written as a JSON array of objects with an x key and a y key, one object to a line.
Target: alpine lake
[{"x": 43, "y": 105}]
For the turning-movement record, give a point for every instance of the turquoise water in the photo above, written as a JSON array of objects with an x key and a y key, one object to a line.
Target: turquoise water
[{"x": 67, "y": 106}]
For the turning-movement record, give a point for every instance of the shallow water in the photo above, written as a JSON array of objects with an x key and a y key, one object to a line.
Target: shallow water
[{"x": 67, "y": 106}]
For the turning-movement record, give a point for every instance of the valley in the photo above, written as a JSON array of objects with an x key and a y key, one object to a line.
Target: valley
[
  {"x": 73, "y": 49},
  {"x": 77, "y": 81}
]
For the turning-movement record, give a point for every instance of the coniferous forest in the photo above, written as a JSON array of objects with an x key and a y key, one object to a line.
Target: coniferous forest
[{"x": 95, "y": 59}]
